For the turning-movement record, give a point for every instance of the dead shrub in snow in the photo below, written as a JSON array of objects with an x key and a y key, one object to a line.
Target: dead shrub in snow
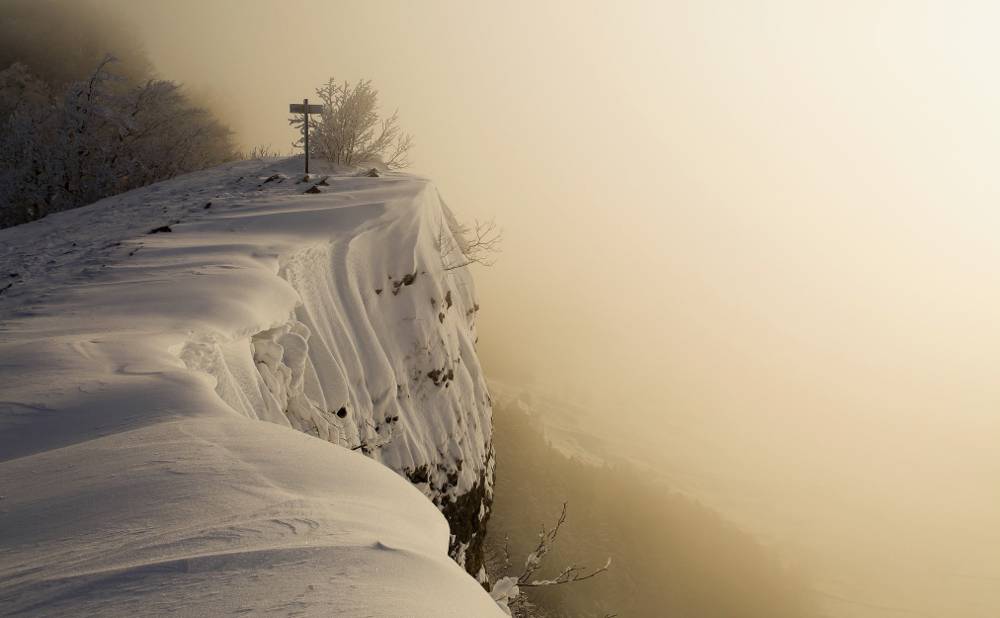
[
  {"x": 462, "y": 245},
  {"x": 506, "y": 591}
]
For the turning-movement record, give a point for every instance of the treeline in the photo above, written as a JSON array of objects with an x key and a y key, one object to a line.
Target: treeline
[
  {"x": 671, "y": 555},
  {"x": 84, "y": 117}
]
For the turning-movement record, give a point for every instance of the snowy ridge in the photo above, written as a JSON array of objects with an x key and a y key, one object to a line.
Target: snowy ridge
[{"x": 135, "y": 369}]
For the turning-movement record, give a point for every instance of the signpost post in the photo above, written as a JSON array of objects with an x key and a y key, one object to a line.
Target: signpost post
[{"x": 305, "y": 109}]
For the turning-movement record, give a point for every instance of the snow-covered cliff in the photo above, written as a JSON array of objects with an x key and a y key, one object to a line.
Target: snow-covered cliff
[{"x": 135, "y": 368}]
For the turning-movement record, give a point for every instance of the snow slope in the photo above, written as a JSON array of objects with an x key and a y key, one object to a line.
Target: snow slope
[{"x": 135, "y": 369}]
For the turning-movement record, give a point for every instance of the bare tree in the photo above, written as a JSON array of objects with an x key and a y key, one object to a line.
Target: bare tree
[
  {"x": 461, "y": 245},
  {"x": 507, "y": 590},
  {"x": 570, "y": 574}
]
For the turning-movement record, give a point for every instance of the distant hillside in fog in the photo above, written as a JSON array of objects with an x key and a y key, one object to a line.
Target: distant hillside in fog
[{"x": 672, "y": 556}]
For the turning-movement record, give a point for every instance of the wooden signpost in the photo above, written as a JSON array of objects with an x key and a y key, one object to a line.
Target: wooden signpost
[{"x": 305, "y": 109}]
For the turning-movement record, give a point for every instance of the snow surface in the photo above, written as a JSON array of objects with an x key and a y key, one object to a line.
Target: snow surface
[{"x": 136, "y": 476}]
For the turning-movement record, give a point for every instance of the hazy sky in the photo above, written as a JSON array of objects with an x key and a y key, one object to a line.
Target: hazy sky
[{"x": 773, "y": 222}]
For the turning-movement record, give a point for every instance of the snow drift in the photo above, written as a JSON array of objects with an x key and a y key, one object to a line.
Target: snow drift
[{"x": 144, "y": 339}]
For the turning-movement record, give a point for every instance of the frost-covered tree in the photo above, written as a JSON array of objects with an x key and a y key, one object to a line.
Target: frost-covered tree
[
  {"x": 162, "y": 135},
  {"x": 89, "y": 120},
  {"x": 28, "y": 135},
  {"x": 350, "y": 129},
  {"x": 95, "y": 137}
]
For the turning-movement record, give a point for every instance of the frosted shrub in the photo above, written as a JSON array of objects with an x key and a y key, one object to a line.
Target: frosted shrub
[{"x": 349, "y": 130}]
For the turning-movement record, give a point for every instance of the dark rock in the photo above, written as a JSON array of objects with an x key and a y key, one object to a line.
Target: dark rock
[
  {"x": 378, "y": 290},
  {"x": 407, "y": 279},
  {"x": 447, "y": 299},
  {"x": 466, "y": 528},
  {"x": 313, "y": 189},
  {"x": 418, "y": 475},
  {"x": 342, "y": 412},
  {"x": 372, "y": 173},
  {"x": 441, "y": 376},
  {"x": 208, "y": 205},
  {"x": 158, "y": 230}
]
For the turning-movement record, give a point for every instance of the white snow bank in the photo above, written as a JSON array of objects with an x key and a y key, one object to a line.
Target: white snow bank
[{"x": 135, "y": 474}]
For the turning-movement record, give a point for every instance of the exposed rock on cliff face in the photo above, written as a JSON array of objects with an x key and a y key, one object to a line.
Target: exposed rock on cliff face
[
  {"x": 404, "y": 375},
  {"x": 390, "y": 375}
]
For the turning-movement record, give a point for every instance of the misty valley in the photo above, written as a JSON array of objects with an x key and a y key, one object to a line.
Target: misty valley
[{"x": 671, "y": 555}]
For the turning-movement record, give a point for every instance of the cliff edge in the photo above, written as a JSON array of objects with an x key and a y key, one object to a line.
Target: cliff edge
[{"x": 144, "y": 339}]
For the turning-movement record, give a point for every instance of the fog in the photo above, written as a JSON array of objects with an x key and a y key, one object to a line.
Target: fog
[
  {"x": 757, "y": 240},
  {"x": 63, "y": 41}
]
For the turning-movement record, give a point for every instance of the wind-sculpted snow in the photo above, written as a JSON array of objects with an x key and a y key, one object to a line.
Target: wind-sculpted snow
[{"x": 135, "y": 369}]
